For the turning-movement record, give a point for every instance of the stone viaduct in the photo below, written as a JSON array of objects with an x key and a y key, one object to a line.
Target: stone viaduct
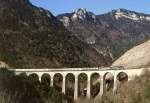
[{"x": 131, "y": 73}]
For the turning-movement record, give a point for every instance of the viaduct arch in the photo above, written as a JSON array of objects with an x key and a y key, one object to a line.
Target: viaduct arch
[{"x": 102, "y": 72}]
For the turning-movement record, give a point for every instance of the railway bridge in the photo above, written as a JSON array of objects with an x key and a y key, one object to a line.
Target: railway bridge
[{"x": 104, "y": 73}]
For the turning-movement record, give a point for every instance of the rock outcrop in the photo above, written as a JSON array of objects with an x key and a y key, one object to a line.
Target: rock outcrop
[{"x": 3, "y": 65}]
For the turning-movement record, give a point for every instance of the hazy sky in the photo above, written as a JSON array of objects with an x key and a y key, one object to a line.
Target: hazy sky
[{"x": 96, "y": 6}]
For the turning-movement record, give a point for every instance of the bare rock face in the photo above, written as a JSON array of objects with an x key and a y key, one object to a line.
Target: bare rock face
[
  {"x": 137, "y": 57},
  {"x": 3, "y": 65}
]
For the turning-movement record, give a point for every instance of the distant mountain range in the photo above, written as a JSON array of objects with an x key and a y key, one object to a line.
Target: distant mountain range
[
  {"x": 110, "y": 34},
  {"x": 32, "y": 37}
]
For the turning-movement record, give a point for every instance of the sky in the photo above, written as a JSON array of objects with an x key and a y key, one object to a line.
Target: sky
[{"x": 96, "y": 6}]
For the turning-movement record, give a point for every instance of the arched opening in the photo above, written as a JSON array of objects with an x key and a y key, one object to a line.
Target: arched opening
[
  {"x": 82, "y": 84},
  {"x": 45, "y": 79},
  {"x": 122, "y": 77},
  {"x": 108, "y": 82},
  {"x": 58, "y": 78},
  {"x": 95, "y": 84},
  {"x": 34, "y": 78},
  {"x": 70, "y": 82},
  {"x": 45, "y": 85}
]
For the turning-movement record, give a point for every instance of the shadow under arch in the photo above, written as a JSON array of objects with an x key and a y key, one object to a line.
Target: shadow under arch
[
  {"x": 108, "y": 82},
  {"x": 95, "y": 84},
  {"x": 45, "y": 79},
  {"x": 122, "y": 78},
  {"x": 82, "y": 84},
  {"x": 34, "y": 78},
  {"x": 57, "y": 81},
  {"x": 70, "y": 82}
]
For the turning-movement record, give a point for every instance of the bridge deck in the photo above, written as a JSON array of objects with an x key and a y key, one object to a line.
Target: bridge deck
[{"x": 70, "y": 69}]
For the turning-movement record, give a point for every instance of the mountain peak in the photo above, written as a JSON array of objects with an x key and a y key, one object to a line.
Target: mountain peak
[
  {"x": 121, "y": 10},
  {"x": 124, "y": 13},
  {"x": 83, "y": 14},
  {"x": 81, "y": 11}
]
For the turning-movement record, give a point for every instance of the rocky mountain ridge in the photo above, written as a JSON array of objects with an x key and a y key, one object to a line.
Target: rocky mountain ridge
[
  {"x": 112, "y": 33},
  {"x": 33, "y": 37}
]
